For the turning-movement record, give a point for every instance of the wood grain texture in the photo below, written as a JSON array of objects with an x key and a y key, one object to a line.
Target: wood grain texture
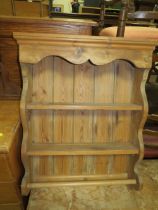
[
  {"x": 9, "y": 192},
  {"x": 85, "y": 107},
  {"x": 28, "y": 9},
  {"x": 6, "y": 8},
  {"x": 101, "y": 197},
  {"x": 13, "y": 206},
  {"x": 10, "y": 145},
  {"x": 80, "y": 49},
  {"x": 24, "y": 119},
  {"x": 10, "y": 69}
]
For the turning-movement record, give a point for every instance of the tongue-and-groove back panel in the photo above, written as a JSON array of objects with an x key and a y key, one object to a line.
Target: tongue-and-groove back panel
[{"x": 57, "y": 81}]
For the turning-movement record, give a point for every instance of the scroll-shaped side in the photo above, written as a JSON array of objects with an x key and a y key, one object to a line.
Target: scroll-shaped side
[
  {"x": 24, "y": 118},
  {"x": 141, "y": 126}
]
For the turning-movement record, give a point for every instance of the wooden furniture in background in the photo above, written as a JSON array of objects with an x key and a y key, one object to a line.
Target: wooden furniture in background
[
  {"x": 10, "y": 76},
  {"x": 83, "y": 108},
  {"x": 7, "y": 7},
  {"x": 30, "y": 9},
  {"x": 36, "y": 8},
  {"x": 10, "y": 151}
]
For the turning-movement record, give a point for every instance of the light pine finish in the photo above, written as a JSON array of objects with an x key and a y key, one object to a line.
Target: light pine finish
[
  {"x": 100, "y": 197},
  {"x": 81, "y": 149},
  {"x": 83, "y": 108},
  {"x": 10, "y": 165}
]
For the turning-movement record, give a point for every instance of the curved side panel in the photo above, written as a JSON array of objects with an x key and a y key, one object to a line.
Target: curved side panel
[
  {"x": 25, "y": 72},
  {"x": 140, "y": 130}
]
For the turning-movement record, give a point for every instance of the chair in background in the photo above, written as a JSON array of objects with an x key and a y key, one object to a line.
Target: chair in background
[
  {"x": 134, "y": 19},
  {"x": 125, "y": 6}
]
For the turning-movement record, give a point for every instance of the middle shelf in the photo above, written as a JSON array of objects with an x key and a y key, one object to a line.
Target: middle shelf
[
  {"x": 82, "y": 149},
  {"x": 48, "y": 106}
]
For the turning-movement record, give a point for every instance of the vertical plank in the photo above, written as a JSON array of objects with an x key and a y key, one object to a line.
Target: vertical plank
[
  {"x": 104, "y": 83},
  {"x": 137, "y": 98},
  {"x": 121, "y": 123},
  {"x": 83, "y": 127},
  {"x": 58, "y": 165},
  {"x": 102, "y": 134},
  {"x": 41, "y": 126},
  {"x": 63, "y": 81},
  {"x": 63, "y": 127},
  {"x": 78, "y": 165},
  {"x": 124, "y": 78},
  {"x": 84, "y": 83},
  {"x": 42, "y": 92},
  {"x": 25, "y": 98},
  {"x": 137, "y": 95},
  {"x": 120, "y": 164},
  {"x": 83, "y": 120},
  {"x": 63, "y": 120},
  {"x": 123, "y": 93}
]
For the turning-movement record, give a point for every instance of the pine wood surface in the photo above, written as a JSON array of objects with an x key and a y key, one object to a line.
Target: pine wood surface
[
  {"x": 91, "y": 140},
  {"x": 84, "y": 107},
  {"x": 81, "y": 149},
  {"x": 8, "y": 126},
  {"x": 101, "y": 197},
  {"x": 9, "y": 192}
]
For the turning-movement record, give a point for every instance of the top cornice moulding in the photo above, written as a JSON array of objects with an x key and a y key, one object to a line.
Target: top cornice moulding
[{"x": 78, "y": 40}]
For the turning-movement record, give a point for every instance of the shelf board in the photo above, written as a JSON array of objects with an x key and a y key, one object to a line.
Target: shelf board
[
  {"x": 82, "y": 149},
  {"x": 90, "y": 177},
  {"x": 39, "y": 106},
  {"x": 81, "y": 183}
]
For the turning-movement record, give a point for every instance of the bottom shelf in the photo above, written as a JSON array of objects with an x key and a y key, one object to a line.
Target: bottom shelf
[
  {"x": 82, "y": 183},
  {"x": 70, "y": 178},
  {"x": 82, "y": 149}
]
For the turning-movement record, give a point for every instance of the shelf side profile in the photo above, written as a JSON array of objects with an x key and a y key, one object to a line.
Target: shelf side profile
[{"x": 83, "y": 108}]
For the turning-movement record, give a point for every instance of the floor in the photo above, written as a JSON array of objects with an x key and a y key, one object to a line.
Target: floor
[{"x": 101, "y": 198}]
